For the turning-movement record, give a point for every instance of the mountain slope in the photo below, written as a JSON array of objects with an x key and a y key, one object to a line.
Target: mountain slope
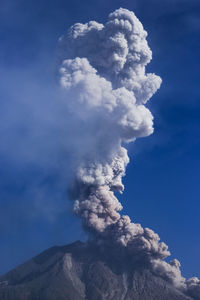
[{"x": 79, "y": 272}]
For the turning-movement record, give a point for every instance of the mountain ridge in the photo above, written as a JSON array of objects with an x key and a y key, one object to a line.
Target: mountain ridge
[{"x": 79, "y": 271}]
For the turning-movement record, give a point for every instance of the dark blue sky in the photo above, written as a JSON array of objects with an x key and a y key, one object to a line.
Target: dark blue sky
[{"x": 162, "y": 183}]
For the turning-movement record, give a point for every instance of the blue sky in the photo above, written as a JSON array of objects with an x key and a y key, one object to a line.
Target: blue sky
[{"x": 162, "y": 182}]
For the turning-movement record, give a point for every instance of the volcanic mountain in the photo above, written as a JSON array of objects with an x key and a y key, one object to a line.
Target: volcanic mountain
[{"x": 80, "y": 271}]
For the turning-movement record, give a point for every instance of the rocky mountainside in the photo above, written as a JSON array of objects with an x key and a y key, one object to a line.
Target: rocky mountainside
[{"x": 80, "y": 272}]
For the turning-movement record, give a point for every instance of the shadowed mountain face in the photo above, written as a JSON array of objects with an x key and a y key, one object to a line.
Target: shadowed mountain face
[{"x": 80, "y": 272}]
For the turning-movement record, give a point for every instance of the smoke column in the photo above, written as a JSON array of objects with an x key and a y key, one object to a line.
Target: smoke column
[{"x": 105, "y": 88}]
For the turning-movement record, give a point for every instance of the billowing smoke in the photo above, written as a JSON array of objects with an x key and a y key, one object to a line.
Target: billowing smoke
[{"x": 105, "y": 88}]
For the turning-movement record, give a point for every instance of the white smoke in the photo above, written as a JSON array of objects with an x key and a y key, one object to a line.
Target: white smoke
[
  {"x": 193, "y": 287},
  {"x": 105, "y": 88}
]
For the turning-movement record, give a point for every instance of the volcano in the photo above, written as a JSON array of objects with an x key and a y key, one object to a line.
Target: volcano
[{"x": 80, "y": 271}]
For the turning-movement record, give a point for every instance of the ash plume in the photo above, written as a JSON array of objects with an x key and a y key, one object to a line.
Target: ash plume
[{"x": 105, "y": 89}]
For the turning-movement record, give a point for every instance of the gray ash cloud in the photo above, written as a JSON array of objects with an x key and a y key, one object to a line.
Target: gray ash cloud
[{"x": 104, "y": 87}]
